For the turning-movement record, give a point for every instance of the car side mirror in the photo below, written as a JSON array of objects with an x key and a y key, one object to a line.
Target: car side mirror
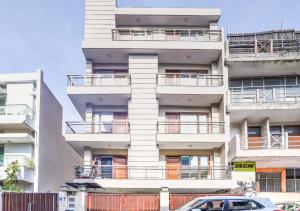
[{"x": 197, "y": 209}]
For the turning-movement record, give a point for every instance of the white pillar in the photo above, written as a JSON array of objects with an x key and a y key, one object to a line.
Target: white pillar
[{"x": 164, "y": 197}]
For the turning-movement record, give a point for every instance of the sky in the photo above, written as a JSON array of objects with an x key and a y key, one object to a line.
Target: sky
[{"x": 47, "y": 34}]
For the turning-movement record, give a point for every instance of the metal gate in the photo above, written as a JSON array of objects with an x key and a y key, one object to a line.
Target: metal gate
[
  {"x": 177, "y": 200},
  {"x": 122, "y": 202},
  {"x": 29, "y": 201}
]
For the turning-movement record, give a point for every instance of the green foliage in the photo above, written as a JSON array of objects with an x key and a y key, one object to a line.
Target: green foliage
[{"x": 11, "y": 182}]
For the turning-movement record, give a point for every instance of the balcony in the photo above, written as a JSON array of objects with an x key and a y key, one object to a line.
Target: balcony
[
  {"x": 266, "y": 147},
  {"x": 189, "y": 89},
  {"x": 166, "y": 34},
  {"x": 151, "y": 178},
  {"x": 188, "y": 135},
  {"x": 26, "y": 169},
  {"x": 170, "y": 44},
  {"x": 107, "y": 89},
  {"x": 107, "y": 135},
  {"x": 16, "y": 117},
  {"x": 278, "y": 104}
]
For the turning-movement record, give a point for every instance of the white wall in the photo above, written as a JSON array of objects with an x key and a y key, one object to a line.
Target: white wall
[
  {"x": 55, "y": 157},
  {"x": 20, "y": 94}
]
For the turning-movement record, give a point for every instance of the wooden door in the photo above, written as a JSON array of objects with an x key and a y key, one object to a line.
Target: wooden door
[
  {"x": 173, "y": 167},
  {"x": 120, "y": 167},
  {"x": 172, "y": 123},
  {"x": 120, "y": 123}
]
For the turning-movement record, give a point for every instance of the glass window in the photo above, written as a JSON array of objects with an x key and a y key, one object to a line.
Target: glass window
[
  {"x": 274, "y": 81},
  {"x": 238, "y": 204},
  {"x": 235, "y": 83},
  {"x": 254, "y": 131},
  {"x": 247, "y": 83},
  {"x": 269, "y": 182},
  {"x": 2, "y": 95},
  {"x": 292, "y": 129},
  {"x": 1, "y": 155},
  {"x": 212, "y": 205},
  {"x": 290, "y": 80},
  {"x": 258, "y": 82}
]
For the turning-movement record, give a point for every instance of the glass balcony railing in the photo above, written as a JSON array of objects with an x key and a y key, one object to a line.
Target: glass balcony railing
[
  {"x": 97, "y": 127},
  {"x": 16, "y": 110},
  {"x": 99, "y": 80},
  {"x": 191, "y": 127},
  {"x": 190, "y": 79},
  {"x": 22, "y": 160},
  {"x": 167, "y": 34},
  {"x": 152, "y": 172}
]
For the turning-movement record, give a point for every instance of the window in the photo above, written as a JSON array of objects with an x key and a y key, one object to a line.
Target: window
[
  {"x": 1, "y": 155},
  {"x": 292, "y": 130},
  {"x": 2, "y": 95},
  {"x": 235, "y": 83},
  {"x": 241, "y": 204},
  {"x": 254, "y": 131},
  {"x": 269, "y": 182},
  {"x": 212, "y": 205},
  {"x": 293, "y": 180}
]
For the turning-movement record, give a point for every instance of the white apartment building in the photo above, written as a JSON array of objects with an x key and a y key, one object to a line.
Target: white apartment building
[
  {"x": 31, "y": 133},
  {"x": 264, "y": 108},
  {"x": 152, "y": 101}
]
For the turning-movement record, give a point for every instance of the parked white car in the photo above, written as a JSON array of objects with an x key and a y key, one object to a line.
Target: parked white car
[{"x": 229, "y": 203}]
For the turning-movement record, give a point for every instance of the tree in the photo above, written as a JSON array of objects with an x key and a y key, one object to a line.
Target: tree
[{"x": 11, "y": 182}]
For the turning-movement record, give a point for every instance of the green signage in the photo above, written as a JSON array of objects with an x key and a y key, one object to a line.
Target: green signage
[{"x": 244, "y": 166}]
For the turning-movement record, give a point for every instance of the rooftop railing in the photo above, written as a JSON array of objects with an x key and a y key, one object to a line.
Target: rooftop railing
[
  {"x": 99, "y": 80},
  {"x": 16, "y": 110},
  {"x": 267, "y": 95},
  {"x": 151, "y": 172},
  {"x": 167, "y": 34},
  {"x": 169, "y": 127},
  {"x": 263, "y": 46},
  {"x": 97, "y": 127},
  {"x": 190, "y": 79}
]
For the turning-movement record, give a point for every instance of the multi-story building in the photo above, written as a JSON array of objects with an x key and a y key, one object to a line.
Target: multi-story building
[
  {"x": 31, "y": 133},
  {"x": 152, "y": 101},
  {"x": 264, "y": 107}
]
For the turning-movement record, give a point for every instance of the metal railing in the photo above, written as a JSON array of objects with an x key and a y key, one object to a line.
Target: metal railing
[
  {"x": 189, "y": 79},
  {"x": 274, "y": 141},
  {"x": 169, "y": 127},
  {"x": 271, "y": 95},
  {"x": 16, "y": 110},
  {"x": 263, "y": 46},
  {"x": 7, "y": 159},
  {"x": 97, "y": 127},
  {"x": 151, "y": 172},
  {"x": 99, "y": 80},
  {"x": 167, "y": 34}
]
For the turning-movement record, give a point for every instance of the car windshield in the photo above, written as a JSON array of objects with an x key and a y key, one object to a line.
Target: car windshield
[{"x": 189, "y": 204}]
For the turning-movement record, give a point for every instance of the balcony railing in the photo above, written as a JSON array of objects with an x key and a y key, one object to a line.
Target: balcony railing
[
  {"x": 16, "y": 110},
  {"x": 271, "y": 95},
  {"x": 191, "y": 127},
  {"x": 99, "y": 80},
  {"x": 151, "y": 172},
  {"x": 274, "y": 141},
  {"x": 263, "y": 46},
  {"x": 97, "y": 127},
  {"x": 7, "y": 159},
  {"x": 167, "y": 34},
  {"x": 189, "y": 79}
]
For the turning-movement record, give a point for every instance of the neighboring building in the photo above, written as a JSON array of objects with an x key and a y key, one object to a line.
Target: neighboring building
[
  {"x": 152, "y": 101},
  {"x": 31, "y": 133},
  {"x": 264, "y": 107}
]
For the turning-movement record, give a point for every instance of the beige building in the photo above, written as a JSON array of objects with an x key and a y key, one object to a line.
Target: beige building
[{"x": 152, "y": 101}]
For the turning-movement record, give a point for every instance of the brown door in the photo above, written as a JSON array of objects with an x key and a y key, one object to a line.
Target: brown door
[
  {"x": 120, "y": 167},
  {"x": 172, "y": 123},
  {"x": 173, "y": 167},
  {"x": 120, "y": 123}
]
